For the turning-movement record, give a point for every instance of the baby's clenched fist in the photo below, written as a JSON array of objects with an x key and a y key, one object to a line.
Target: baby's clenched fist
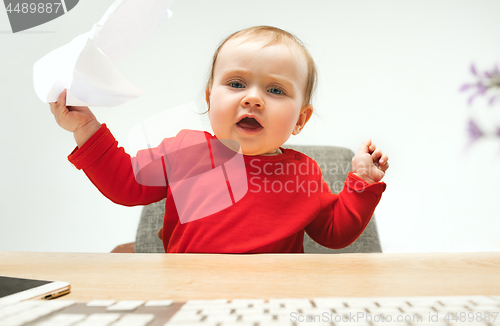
[{"x": 370, "y": 163}]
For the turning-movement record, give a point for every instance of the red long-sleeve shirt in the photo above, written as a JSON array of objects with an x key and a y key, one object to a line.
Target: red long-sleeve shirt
[{"x": 222, "y": 202}]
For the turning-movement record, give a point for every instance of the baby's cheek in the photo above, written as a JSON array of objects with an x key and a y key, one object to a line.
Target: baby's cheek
[
  {"x": 218, "y": 124},
  {"x": 289, "y": 126}
]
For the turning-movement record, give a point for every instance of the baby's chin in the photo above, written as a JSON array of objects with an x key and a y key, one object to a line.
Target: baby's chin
[
  {"x": 265, "y": 152},
  {"x": 250, "y": 148}
]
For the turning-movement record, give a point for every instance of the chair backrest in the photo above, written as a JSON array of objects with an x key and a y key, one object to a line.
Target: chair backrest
[{"x": 335, "y": 163}]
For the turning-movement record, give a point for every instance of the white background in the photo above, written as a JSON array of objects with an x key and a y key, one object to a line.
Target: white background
[{"x": 389, "y": 70}]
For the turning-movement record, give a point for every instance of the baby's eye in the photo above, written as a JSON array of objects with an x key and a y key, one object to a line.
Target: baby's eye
[
  {"x": 235, "y": 84},
  {"x": 275, "y": 91}
]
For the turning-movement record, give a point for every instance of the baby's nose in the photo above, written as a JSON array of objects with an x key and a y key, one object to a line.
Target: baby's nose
[
  {"x": 253, "y": 99},
  {"x": 253, "y": 104}
]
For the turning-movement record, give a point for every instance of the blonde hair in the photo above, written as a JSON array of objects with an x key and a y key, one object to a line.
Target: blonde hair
[{"x": 273, "y": 35}]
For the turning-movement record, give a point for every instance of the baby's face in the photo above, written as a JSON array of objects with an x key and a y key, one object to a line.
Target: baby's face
[{"x": 257, "y": 95}]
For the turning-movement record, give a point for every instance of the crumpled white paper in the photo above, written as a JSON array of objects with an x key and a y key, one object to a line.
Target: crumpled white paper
[{"x": 85, "y": 66}]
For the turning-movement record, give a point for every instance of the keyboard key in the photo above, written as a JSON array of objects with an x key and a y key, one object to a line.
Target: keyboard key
[
  {"x": 251, "y": 311},
  {"x": 257, "y": 317},
  {"x": 463, "y": 300},
  {"x": 290, "y": 303},
  {"x": 216, "y": 310},
  {"x": 222, "y": 318},
  {"x": 277, "y": 323},
  {"x": 203, "y": 323},
  {"x": 159, "y": 303},
  {"x": 125, "y": 305},
  {"x": 134, "y": 320},
  {"x": 315, "y": 311},
  {"x": 360, "y": 302},
  {"x": 421, "y": 301},
  {"x": 391, "y": 302},
  {"x": 192, "y": 308},
  {"x": 181, "y": 318},
  {"x": 16, "y": 308},
  {"x": 246, "y": 302},
  {"x": 284, "y": 316},
  {"x": 329, "y": 303},
  {"x": 92, "y": 323},
  {"x": 309, "y": 323},
  {"x": 71, "y": 318},
  {"x": 56, "y": 305},
  {"x": 135, "y": 317},
  {"x": 129, "y": 323},
  {"x": 28, "y": 315},
  {"x": 102, "y": 318},
  {"x": 51, "y": 323},
  {"x": 439, "y": 301},
  {"x": 204, "y": 303},
  {"x": 13, "y": 321},
  {"x": 100, "y": 303},
  {"x": 385, "y": 310}
]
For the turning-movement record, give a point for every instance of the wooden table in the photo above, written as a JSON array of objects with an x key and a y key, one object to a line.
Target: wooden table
[{"x": 207, "y": 276}]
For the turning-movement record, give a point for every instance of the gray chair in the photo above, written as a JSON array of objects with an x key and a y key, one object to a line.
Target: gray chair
[{"x": 335, "y": 163}]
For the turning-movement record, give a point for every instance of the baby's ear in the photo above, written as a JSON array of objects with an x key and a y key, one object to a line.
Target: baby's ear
[
  {"x": 304, "y": 116},
  {"x": 207, "y": 96}
]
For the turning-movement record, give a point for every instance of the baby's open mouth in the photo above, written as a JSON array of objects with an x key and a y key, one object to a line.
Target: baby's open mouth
[{"x": 249, "y": 123}]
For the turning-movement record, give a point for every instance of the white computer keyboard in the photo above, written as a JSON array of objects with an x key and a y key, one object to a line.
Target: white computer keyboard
[{"x": 449, "y": 310}]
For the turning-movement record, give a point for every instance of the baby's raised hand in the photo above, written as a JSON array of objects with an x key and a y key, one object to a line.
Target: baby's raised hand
[
  {"x": 370, "y": 163},
  {"x": 77, "y": 119}
]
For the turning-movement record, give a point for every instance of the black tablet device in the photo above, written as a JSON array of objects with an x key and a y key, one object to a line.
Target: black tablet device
[{"x": 13, "y": 289}]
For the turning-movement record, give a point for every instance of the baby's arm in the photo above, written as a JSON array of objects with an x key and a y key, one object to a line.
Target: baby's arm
[
  {"x": 77, "y": 119},
  {"x": 344, "y": 217},
  {"x": 108, "y": 166}
]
